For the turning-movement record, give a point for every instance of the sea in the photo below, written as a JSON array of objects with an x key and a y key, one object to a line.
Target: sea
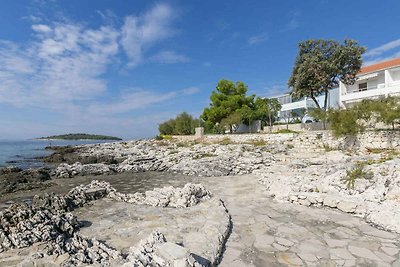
[{"x": 24, "y": 153}]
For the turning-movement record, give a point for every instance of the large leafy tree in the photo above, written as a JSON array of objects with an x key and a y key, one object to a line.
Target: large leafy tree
[
  {"x": 321, "y": 64},
  {"x": 227, "y": 99}
]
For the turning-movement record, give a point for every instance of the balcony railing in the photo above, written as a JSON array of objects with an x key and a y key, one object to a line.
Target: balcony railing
[
  {"x": 363, "y": 89},
  {"x": 375, "y": 91}
]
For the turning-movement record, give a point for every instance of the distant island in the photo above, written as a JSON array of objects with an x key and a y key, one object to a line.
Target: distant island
[{"x": 80, "y": 136}]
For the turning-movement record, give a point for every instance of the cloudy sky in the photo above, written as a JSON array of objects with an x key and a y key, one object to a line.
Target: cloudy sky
[{"x": 121, "y": 67}]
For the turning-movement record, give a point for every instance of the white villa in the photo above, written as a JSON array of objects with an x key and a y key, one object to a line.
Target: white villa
[
  {"x": 373, "y": 81},
  {"x": 290, "y": 105}
]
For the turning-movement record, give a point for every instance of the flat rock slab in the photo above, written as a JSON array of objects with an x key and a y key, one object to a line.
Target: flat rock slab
[
  {"x": 268, "y": 233},
  {"x": 122, "y": 225},
  {"x": 198, "y": 230}
]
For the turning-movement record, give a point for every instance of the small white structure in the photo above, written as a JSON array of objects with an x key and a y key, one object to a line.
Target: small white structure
[
  {"x": 290, "y": 105},
  {"x": 374, "y": 81}
]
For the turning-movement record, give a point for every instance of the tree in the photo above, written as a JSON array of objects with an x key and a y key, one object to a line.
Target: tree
[
  {"x": 388, "y": 111},
  {"x": 167, "y": 128},
  {"x": 267, "y": 109},
  {"x": 232, "y": 121},
  {"x": 183, "y": 124},
  {"x": 321, "y": 64},
  {"x": 228, "y": 98}
]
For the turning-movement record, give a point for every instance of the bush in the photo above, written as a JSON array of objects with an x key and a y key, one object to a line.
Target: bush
[
  {"x": 225, "y": 141},
  {"x": 343, "y": 122},
  {"x": 357, "y": 172},
  {"x": 183, "y": 124},
  {"x": 285, "y": 131}
]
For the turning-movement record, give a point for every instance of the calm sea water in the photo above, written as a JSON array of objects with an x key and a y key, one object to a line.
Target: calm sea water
[{"x": 23, "y": 153}]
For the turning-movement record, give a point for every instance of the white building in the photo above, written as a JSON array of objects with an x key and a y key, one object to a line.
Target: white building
[
  {"x": 374, "y": 81},
  {"x": 290, "y": 105}
]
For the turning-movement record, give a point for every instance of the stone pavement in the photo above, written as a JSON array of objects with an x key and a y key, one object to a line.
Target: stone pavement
[
  {"x": 264, "y": 233},
  {"x": 267, "y": 233}
]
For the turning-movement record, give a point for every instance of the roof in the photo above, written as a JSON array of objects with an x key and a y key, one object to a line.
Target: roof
[{"x": 380, "y": 66}]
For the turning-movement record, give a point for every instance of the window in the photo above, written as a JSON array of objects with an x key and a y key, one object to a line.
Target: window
[{"x": 362, "y": 86}]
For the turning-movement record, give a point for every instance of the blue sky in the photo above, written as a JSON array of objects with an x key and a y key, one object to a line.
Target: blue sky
[{"x": 122, "y": 67}]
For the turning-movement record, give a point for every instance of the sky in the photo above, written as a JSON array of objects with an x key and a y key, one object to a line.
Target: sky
[{"x": 119, "y": 67}]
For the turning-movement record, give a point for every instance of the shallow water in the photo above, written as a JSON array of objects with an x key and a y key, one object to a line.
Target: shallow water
[
  {"x": 23, "y": 153},
  {"x": 123, "y": 182}
]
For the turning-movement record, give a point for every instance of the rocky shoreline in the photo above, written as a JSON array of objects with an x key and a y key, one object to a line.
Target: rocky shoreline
[
  {"x": 49, "y": 220},
  {"x": 290, "y": 168}
]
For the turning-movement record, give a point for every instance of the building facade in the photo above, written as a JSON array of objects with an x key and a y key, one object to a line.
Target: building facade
[
  {"x": 373, "y": 82},
  {"x": 292, "y": 106}
]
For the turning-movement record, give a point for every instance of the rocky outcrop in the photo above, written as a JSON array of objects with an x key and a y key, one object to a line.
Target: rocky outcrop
[
  {"x": 188, "y": 159},
  {"x": 49, "y": 220},
  {"x": 374, "y": 196},
  {"x": 188, "y": 196},
  {"x": 21, "y": 226},
  {"x": 14, "y": 179}
]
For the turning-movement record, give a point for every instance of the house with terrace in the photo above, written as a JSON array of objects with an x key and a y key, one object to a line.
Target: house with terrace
[
  {"x": 292, "y": 106},
  {"x": 373, "y": 81}
]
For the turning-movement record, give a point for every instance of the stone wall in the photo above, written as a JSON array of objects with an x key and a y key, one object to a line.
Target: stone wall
[
  {"x": 315, "y": 139},
  {"x": 369, "y": 139}
]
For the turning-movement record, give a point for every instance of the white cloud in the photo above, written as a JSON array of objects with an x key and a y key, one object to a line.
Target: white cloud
[
  {"x": 190, "y": 90},
  {"x": 383, "y": 48},
  {"x": 41, "y": 28},
  {"x": 257, "y": 39},
  {"x": 134, "y": 99},
  {"x": 63, "y": 69},
  {"x": 380, "y": 59},
  {"x": 384, "y": 52},
  {"x": 63, "y": 64},
  {"x": 293, "y": 22},
  {"x": 272, "y": 90},
  {"x": 141, "y": 32},
  {"x": 169, "y": 57}
]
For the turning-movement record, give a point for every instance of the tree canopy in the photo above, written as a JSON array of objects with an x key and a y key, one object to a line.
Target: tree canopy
[
  {"x": 267, "y": 109},
  {"x": 230, "y": 106},
  {"x": 226, "y": 100},
  {"x": 183, "y": 124},
  {"x": 321, "y": 64}
]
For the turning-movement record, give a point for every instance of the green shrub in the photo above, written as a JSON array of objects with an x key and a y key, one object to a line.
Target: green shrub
[
  {"x": 328, "y": 148},
  {"x": 343, "y": 122},
  {"x": 158, "y": 137},
  {"x": 163, "y": 137},
  {"x": 285, "y": 131},
  {"x": 204, "y": 155},
  {"x": 289, "y": 146},
  {"x": 258, "y": 142},
  {"x": 225, "y": 141},
  {"x": 357, "y": 172}
]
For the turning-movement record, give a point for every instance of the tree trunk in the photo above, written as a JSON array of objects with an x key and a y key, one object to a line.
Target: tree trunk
[
  {"x": 287, "y": 122},
  {"x": 316, "y": 102},
  {"x": 325, "y": 106},
  {"x": 250, "y": 126},
  {"x": 270, "y": 122}
]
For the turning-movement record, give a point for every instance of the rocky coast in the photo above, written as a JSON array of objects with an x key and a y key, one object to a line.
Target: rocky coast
[{"x": 244, "y": 200}]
